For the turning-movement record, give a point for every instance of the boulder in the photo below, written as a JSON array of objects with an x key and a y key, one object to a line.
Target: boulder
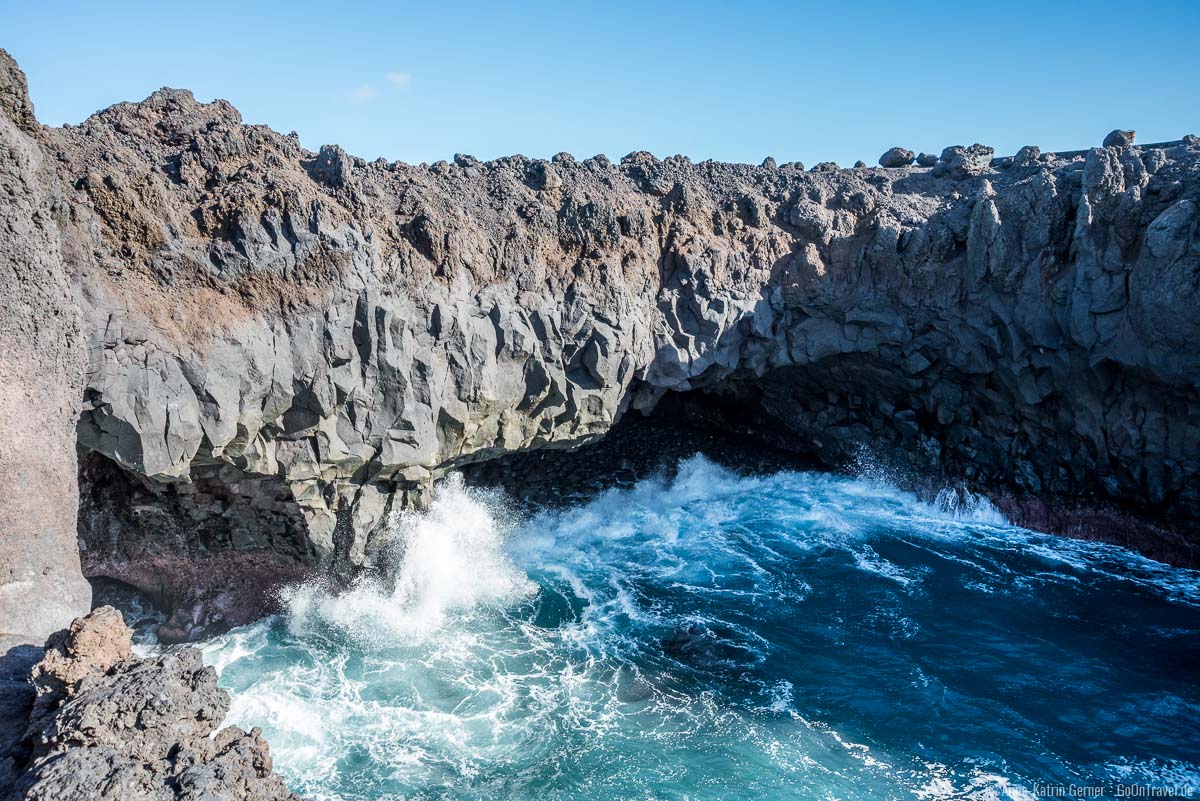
[
  {"x": 332, "y": 166},
  {"x": 1028, "y": 156},
  {"x": 1119, "y": 138},
  {"x": 960, "y": 162},
  {"x": 897, "y": 157}
]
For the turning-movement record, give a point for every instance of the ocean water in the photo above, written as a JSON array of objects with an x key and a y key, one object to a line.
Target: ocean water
[{"x": 716, "y": 636}]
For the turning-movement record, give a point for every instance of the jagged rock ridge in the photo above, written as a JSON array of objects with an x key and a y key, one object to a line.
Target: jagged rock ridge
[{"x": 297, "y": 344}]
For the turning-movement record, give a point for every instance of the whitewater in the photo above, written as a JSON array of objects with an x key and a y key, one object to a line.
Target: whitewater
[{"x": 711, "y": 635}]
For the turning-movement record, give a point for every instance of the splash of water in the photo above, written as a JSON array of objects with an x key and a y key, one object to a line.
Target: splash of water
[
  {"x": 724, "y": 636},
  {"x": 960, "y": 502},
  {"x": 450, "y": 562}
]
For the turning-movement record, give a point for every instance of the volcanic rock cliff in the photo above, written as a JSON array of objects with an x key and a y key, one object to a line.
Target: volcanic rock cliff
[
  {"x": 282, "y": 347},
  {"x": 41, "y": 381}
]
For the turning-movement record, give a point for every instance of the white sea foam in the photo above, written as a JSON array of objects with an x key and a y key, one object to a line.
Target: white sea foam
[
  {"x": 450, "y": 560},
  {"x": 587, "y": 648},
  {"x": 962, "y": 504}
]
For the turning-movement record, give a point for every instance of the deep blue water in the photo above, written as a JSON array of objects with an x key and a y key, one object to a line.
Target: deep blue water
[{"x": 793, "y": 636}]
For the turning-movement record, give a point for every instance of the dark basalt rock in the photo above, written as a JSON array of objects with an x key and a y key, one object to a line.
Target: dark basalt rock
[
  {"x": 1028, "y": 156},
  {"x": 897, "y": 157},
  {"x": 708, "y": 647},
  {"x": 109, "y": 726},
  {"x": 1119, "y": 138},
  {"x": 964, "y": 162}
]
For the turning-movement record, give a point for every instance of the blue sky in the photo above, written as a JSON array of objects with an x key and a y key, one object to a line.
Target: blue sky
[{"x": 732, "y": 81}]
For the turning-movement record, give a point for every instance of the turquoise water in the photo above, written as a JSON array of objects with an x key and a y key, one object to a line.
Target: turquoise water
[{"x": 711, "y": 636}]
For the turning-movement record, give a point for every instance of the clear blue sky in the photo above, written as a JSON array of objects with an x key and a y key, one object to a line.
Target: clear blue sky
[{"x": 732, "y": 81}]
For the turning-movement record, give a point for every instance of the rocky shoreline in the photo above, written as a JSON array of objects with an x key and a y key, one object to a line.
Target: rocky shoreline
[
  {"x": 228, "y": 360},
  {"x": 98, "y": 722},
  {"x": 285, "y": 347}
]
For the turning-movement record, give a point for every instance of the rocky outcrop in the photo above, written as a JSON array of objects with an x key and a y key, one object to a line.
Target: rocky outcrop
[
  {"x": 106, "y": 725},
  {"x": 41, "y": 370},
  {"x": 299, "y": 343},
  {"x": 337, "y": 333}
]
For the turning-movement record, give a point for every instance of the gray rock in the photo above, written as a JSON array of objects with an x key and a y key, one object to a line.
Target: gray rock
[
  {"x": 1119, "y": 138},
  {"x": 926, "y": 160},
  {"x": 41, "y": 374},
  {"x": 544, "y": 176},
  {"x": 1028, "y": 156},
  {"x": 964, "y": 162},
  {"x": 137, "y": 728},
  {"x": 332, "y": 166},
  {"x": 897, "y": 157}
]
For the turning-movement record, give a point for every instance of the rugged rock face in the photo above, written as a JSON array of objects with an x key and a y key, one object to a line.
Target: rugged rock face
[
  {"x": 208, "y": 551},
  {"x": 897, "y": 157},
  {"x": 303, "y": 342},
  {"x": 41, "y": 588},
  {"x": 109, "y": 726},
  {"x": 345, "y": 331}
]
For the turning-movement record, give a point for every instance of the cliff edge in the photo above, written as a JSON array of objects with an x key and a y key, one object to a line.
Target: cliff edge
[
  {"x": 283, "y": 347},
  {"x": 41, "y": 378}
]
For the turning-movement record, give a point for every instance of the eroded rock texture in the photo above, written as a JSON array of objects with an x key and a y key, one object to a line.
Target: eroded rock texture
[
  {"x": 41, "y": 352},
  {"x": 106, "y": 725},
  {"x": 302, "y": 341},
  {"x": 340, "y": 332}
]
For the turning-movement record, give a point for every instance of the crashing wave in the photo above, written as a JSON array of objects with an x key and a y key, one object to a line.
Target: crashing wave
[
  {"x": 961, "y": 503},
  {"x": 714, "y": 635}
]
